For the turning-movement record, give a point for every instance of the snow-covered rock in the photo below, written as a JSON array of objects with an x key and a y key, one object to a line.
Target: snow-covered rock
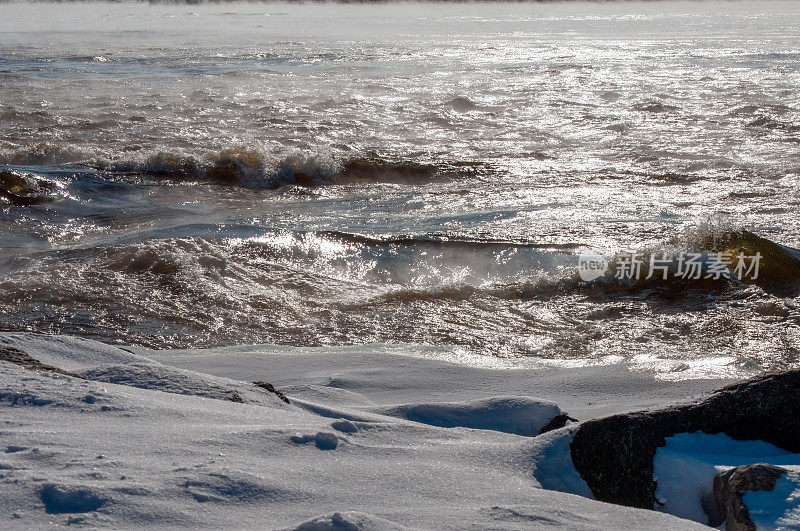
[{"x": 615, "y": 454}]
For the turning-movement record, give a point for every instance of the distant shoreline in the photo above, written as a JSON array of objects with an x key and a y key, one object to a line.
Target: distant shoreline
[{"x": 201, "y": 2}]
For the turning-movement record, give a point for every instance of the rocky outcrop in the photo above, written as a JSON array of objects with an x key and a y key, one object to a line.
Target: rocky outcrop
[
  {"x": 271, "y": 388},
  {"x": 559, "y": 421},
  {"x": 614, "y": 455},
  {"x": 731, "y": 485}
]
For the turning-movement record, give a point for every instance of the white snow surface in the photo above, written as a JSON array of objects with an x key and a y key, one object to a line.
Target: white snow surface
[
  {"x": 778, "y": 508},
  {"x": 373, "y": 439},
  {"x": 685, "y": 467}
]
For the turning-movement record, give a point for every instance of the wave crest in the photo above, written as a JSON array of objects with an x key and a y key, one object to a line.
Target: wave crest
[
  {"x": 776, "y": 270},
  {"x": 23, "y": 189},
  {"x": 252, "y": 168}
]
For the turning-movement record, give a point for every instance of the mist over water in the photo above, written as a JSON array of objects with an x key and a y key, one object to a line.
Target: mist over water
[{"x": 200, "y": 175}]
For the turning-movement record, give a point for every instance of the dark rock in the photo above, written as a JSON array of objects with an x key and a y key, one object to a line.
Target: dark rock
[
  {"x": 729, "y": 487},
  {"x": 778, "y": 268},
  {"x": 236, "y": 397},
  {"x": 271, "y": 388},
  {"x": 559, "y": 421},
  {"x": 614, "y": 455},
  {"x": 12, "y": 182}
]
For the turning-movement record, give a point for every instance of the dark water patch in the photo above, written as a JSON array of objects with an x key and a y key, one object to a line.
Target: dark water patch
[
  {"x": 461, "y": 104},
  {"x": 8, "y": 114},
  {"x": 663, "y": 178},
  {"x": 90, "y": 125},
  {"x": 760, "y": 110},
  {"x": 655, "y": 107},
  {"x": 674, "y": 178},
  {"x": 444, "y": 241},
  {"x": 771, "y": 124},
  {"x": 399, "y": 172},
  {"x": 44, "y": 154}
]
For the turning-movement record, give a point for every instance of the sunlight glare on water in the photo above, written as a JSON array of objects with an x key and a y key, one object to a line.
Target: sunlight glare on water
[{"x": 399, "y": 173}]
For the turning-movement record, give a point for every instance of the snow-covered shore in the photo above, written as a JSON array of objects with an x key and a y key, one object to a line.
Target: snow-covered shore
[{"x": 378, "y": 437}]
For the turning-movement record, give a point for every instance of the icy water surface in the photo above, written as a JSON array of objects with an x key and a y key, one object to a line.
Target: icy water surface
[{"x": 198, "y": 175}]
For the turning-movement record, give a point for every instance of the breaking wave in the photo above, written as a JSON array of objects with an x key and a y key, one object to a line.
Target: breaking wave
[
  {"x": 332, "y": 287},
  {"x": 44, "y": 154},
  {"x": 24, "y": 189},
  {"x": 777, "y": 269},
  {"x": 247, "y": 167},
  {"x": 253, "y": 169}
]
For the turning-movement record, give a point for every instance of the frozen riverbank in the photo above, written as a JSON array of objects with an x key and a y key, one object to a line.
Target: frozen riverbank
[{"x": 97, "y": 452}]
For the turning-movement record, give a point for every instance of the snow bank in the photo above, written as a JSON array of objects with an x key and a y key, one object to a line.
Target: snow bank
[
  {"x": 70, "y": 353},
  {"x": 552, "y": 463},
  {"x": 104, "y": 363},
  {"x": 388, "y": 375},
  {"x": 141, "y": 444},
  {"x": 519, "y": 415}
]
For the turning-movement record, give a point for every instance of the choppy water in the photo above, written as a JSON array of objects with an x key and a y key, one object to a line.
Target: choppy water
[{"x": 333, "y": 174}]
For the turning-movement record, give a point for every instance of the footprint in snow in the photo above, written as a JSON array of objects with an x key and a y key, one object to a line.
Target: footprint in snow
[
  {"x": 58, "y": 499},
  {"x": 322, "y": 440},
  {"x": 344, "y": 426}
]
